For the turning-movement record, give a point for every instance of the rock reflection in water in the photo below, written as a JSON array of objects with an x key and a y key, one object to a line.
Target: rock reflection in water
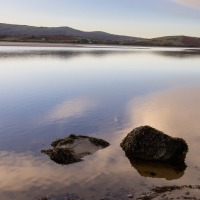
[
  {"x": 154, "y": 153},
  {"x": 175, "y": 111},
  {"x": 159, "y": 169}
]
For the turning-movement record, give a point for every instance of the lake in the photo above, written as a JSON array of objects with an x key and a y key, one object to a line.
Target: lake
[{"x": 50, "y": 92}]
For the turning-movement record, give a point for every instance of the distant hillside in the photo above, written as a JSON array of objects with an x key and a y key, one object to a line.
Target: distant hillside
[
  {"x": 23, "y": 33},
  {"x": 17, "y": 30},
  {"x": 169, "y": 41}
]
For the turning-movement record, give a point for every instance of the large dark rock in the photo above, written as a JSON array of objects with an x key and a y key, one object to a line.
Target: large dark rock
[
  {"x": 147, "y": 143},
  {"x": 73, "y": 148}
]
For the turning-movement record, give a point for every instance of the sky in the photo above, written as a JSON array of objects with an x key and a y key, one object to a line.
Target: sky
[{"x": 140, "y": 18}]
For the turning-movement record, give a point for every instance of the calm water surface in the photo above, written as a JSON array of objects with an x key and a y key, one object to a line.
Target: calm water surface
[{"x": 49, "y": 93}]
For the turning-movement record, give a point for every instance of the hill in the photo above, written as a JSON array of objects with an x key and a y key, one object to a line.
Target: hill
[
  {"x": 168, "y": 41},
  {"x": 23, "y": 33},
  {"x": 19, "y": 30}
]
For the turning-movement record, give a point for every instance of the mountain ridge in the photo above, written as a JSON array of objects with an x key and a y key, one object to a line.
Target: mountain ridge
[
  {"x": 14, "y": 29},
  {"x": 25, "y": 33}
]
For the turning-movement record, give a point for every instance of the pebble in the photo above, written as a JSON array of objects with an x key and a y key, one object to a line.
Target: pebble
[
  {"x": 130, "y": 196},
  {"x": 187, "y": 193}
]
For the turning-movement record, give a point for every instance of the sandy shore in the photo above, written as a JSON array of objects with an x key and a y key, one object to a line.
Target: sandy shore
[{"x": 158, "y": 193}]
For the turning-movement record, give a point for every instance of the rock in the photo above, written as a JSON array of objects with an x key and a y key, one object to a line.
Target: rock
[
  {"x": 43, "y": 198},
  {"x": 147, "y": 143},
  {"x": 130, "y": 196},
  {"x": 62, "y": 155},
  {"x": 73, "y": 148}
]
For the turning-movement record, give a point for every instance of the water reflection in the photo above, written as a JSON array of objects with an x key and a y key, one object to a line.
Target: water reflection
[
  {"x": 175, "y": 112},
  {"x": 67, "y": 53},
  {"x": 44, "y": 99},
  {"x": 180, "y": 54},
  {"x": 158, "y": 169},
  {"x": 25, "y": 176},
  {"x": 62, "y": 54},
  {"x": 70, "y": 109}
]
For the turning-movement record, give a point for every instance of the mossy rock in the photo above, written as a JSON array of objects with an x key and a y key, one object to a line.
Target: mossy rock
[
  {"x": 65, "y": 141},
  {"x": 72, "y": 138},
  {"x": 73, "y": 148},
  {"x": 61, "y": 156},
  {"x": 147, "y": 143}
]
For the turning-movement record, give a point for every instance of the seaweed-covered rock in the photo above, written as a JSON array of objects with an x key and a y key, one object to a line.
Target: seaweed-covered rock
[
  {"x": 147, "y": 143},
  {"x": 62, "y": 156},
  {"x": 73, "y": 148}
]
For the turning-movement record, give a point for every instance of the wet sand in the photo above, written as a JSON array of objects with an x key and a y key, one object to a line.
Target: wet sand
[
  {"x": 158, "y": 193},
  {"x": 172, "y": 192}
]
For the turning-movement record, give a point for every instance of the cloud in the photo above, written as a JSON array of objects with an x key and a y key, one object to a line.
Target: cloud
[{"x": 189, "y": 3}]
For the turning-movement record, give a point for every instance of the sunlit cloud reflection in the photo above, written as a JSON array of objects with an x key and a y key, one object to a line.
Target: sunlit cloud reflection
[
  {"x": 176, "y": 112},
  {"x": 70, "y": 108}
]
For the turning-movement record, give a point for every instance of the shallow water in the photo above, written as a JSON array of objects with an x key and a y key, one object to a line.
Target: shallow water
[{"x": 49, "y": 93}]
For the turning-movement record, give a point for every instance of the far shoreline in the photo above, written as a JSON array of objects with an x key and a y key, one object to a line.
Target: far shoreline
[
  {"x": 71, "y": 45},
  {"x": 48, "y": 44},
  {"x": 38, "y": 44}
]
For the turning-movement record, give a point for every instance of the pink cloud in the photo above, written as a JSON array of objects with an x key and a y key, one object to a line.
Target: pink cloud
[{"x": 189, "y": 3}]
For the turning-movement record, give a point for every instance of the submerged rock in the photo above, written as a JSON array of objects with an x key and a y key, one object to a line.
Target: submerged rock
[
  {"x": 73, "y": 148},
  {"x": 147, "y": 143}
]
